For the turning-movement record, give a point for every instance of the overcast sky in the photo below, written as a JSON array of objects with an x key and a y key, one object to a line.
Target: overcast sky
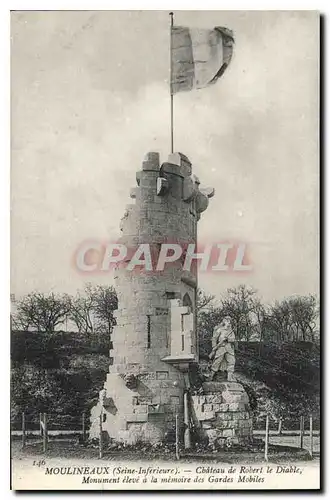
[{"x": 90, "y": 97}]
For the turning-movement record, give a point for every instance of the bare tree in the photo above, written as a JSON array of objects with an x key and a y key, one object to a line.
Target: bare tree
[
  {"x": 106, "y": 302},
  {"x": 82, "y": 310},
  {"x": 280, "y": 322},
  {"x": 294, "y": 318},
  {"x": 261, "y": 315},
  {"x": 305, "y": 313},
  {"x": 240, "y": 305},
  {"x": 92, "y": 310},
  {"x": 203, "y": 299},
  {"x": 42, "y": 312}
]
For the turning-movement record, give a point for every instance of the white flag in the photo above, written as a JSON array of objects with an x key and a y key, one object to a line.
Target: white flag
[{"x": 199, "y": 56}]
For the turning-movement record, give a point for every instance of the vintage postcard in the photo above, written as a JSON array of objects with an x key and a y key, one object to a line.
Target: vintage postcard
[{"x": 165, "y": 330}]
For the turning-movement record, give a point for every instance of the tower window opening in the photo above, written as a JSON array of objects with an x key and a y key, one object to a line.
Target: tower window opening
[
  {"x": 182, "y": 342},
  {"x": 148, "y": 332}
]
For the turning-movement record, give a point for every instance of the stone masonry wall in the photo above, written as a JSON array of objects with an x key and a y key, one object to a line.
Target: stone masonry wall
[
  {"x": 167, "y": 204},
  {"x": 224, "y": 417}
]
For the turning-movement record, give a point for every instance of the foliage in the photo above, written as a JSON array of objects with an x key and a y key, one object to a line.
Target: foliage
[
  {"x": 277, "y": 352},
  {"x": 41, "y": 312},
  {"x": 282, "y": 379},
  {"x": 292, "y": 319},
  {"x": 92, "y": 310}
]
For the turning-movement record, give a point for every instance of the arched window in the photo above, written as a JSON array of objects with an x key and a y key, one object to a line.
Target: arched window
[
  {"x": 186, "y": 301},
  {"x": 186, "y": 323}
]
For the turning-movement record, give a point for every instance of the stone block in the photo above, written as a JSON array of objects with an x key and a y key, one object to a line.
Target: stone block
[
  {"x": 207, "y": 407},
  {"x": 207, "y": 415},
  {"x": 223, "y": 424},
  {"x": 216, "y": 398},
  {"x": 143, "y": 400},
  {"x": 233, "y": 386},
  {"x": 216, "y": 406},
  {"x": 221, "y": 416},
  {"x": 151, "y": 161},
  {"x": 162, "y": 375},
  {"x": 141, "y": 409},
  {"x": 182, "y": 161},
  {"x": 228, "y": 433},
  {"x": 234, "y": 424},
  {"x": 241, "y": 424},
  {"x": 234, "y": 397},
  {"x": 213, "y": 387},
  {"x": 135, "y": 417},
  {"x": 224, "y": 407},
  {"x": 245, "y": 424},
  {"x": 233, "y": 407},
  {"x": 242, "y": 407}
]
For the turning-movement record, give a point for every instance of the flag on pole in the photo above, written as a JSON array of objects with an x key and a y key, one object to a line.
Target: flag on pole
[{"x": 199, "y": 56}]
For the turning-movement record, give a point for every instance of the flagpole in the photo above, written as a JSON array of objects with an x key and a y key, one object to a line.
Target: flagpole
[{"x": 171, "y": 89}]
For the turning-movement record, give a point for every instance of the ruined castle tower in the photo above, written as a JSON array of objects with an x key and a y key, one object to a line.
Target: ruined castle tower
[{"x": 154, "y": 342}]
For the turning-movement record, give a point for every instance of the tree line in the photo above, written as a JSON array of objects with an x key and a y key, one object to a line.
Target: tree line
[
  {"x": 89, "y": 312},
  {"x": 277, "y": 353},
  {"x": 292, "y": 319}
]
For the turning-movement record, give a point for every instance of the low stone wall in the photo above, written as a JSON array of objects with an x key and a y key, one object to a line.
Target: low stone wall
[{"x": 223, "y": 415}]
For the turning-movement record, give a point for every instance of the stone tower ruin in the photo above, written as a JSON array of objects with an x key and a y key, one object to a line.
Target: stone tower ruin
[{"x": 154, "y": 342}]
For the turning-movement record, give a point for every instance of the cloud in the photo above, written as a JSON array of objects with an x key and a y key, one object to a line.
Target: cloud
[{"x": 79, "y": 136}]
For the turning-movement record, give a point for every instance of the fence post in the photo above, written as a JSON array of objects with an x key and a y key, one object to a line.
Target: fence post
[
  {"x": 45, "y": 434},
  {"x": 177, "y": 454},
  {"x": 311, "y": 436},
  {"x": 187, "y": 436},
  {"x": 302, "y": 427},
  {"x": 267, "y": 437},
  {"x": 100, "y": 436},
  {"x": 23, "y": 430},
  {"x": 83, "y": 428},
  {"x": 40, "y": 424}
]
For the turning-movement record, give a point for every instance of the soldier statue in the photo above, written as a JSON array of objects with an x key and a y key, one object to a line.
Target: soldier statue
[{"x": 223, "y": 353}]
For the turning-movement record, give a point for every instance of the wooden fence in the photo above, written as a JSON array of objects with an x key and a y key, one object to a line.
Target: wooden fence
[
  {"x": 44, "y": 434},
  {"x": 44, "y": 429},
  {"x": 302, "y": 433}
]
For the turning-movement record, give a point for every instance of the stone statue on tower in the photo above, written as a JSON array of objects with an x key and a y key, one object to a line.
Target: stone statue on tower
[{"x": 223, "y": 353}]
